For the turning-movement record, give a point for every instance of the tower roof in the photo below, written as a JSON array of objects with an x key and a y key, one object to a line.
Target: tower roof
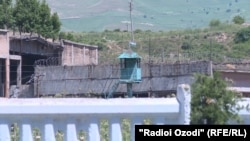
[{"x": 129, "y": 54}]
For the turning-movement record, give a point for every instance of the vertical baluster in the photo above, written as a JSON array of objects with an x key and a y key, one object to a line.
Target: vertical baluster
[
  {"x": 4, "y": 130},
  {"x": 71, "y": 131},
  {"x": 94, "y": 134},
  {"x": 48, "y": 131},
  {"x": 115, "y": 129},
  {"x": 26, "y": 131},
  {"x": 134, "y": 121}
]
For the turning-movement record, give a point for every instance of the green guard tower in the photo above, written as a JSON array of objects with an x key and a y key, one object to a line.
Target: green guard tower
[
  {"x": 130, "y": 66},
  {"x": 130, "y": 69}
]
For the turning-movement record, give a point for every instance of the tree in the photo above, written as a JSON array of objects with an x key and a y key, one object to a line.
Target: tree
[
  {"x": 25, "y": 15},
  {"x": 34, "y": 16},
  {"x": 56, "y": 26},
  {"x": 6, "y": 18},
  {"x": 212, "y": 102},
  {"x": 243, "y": 35},
  {"x": 19, "y": 14},
  {"x": 238, "y": 20},
  {"x": 45, "y": 22}
]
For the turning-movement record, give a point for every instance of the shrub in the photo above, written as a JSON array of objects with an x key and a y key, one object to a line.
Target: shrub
[
  {"x": 214, "y": 23},
  {"x": 243, "y": 35},
  {"x": 238, "y": 20}
]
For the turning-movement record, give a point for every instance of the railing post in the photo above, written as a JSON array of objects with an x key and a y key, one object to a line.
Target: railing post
[
  {"x": 71, "y": 131},
  {"x": 184, "y": 98},
  {"x": 134, "y": 121},
  {"x": 4, "y": 130},
  {"x": 94, "y": 134},
  {"x": 48, "y": 132},
  {"x": 26, "y": 131},
  {"x": 115, "y": 129}
]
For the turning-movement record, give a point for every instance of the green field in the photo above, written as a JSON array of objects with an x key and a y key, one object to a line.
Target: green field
[{"x": 98, "y": 15}]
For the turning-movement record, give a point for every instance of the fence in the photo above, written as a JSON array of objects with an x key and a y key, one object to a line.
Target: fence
[
  {"x": 74, "y": 80},
  {"x": 72, "y": 115}
]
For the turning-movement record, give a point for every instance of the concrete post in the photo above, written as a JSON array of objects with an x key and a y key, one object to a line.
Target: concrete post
[
  {"x": 7, "y": 77},
  {"x": 4, "y": 130},
  {"x": 26, "y": 130},
  {"x": 184, "y": 98},
  {"x": 19, "y": 74},
  {"x": 71, "y": 131},
  {"x": 96, "y": 56},
  {"x": 115, "y": 129},
  {"x": 48, "y": 131},
  {"x": 130, "y": 90},
  {"x": 93, "y": 132},
  {"x": 84, "y": 62}
]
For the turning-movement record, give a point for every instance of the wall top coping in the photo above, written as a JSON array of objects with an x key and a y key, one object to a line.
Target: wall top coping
[
  {"x": 79, "y": 44},
  {"x": 4, "y": 30},
  {"x": 89, "y": 106},
  {"x": 88, "y": 101}
]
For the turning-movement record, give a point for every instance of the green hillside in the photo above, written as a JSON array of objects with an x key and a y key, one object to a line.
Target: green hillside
[
  {"x": 98, "y": 15},
  {"x": 220, "y": 43}
]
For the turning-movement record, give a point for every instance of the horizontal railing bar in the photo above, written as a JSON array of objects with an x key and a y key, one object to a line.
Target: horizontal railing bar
[{"x": 89, "y": 106}]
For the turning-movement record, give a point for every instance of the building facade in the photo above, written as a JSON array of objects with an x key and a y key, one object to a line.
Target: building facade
[{"x": 19, "y": 55}]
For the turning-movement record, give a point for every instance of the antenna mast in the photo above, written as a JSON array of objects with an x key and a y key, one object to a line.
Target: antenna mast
[{"x": 131, "y": 43}]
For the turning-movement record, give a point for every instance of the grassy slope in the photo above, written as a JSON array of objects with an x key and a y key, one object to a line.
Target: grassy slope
[
  {"x": 197, "y": 44},
  {"x": 97, "y": 15}
]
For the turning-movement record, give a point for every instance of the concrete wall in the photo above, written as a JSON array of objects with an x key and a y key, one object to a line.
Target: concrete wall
[
  {"x": 75, "y": 54},
  {"x": 4, "y": 54},
  {"x": 25, "y": 91},
  {"x": 100, "y": 79},
  {"x": 4, "y": 46},
  {"x": 33, "y": 46},
  {"x": 239, "y": 79}
]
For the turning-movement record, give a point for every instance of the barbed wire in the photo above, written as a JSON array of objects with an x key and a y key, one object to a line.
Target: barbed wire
[
  {"x": 186, "y": 57},
  {"x": 51, "y": 61}
]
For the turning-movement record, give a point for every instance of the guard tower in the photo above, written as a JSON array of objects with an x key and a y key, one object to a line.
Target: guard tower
[
  {"x": 130, "y": 69},
  {"x": 130, "y": 66}
]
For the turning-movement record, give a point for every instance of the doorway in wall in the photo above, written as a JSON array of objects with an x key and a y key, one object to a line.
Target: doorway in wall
[{"x": 2, "y": 77}]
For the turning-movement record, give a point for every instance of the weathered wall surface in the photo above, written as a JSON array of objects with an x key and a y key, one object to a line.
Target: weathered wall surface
[
  {"x": 4, "y": 46},
  {"x": 75, "y": 54},
  {"x": 32, "y": 46},
  {"x": 99, "y": 79},
  {"x": 25, "y": 91},
  {"x": 240, "y": 79}
]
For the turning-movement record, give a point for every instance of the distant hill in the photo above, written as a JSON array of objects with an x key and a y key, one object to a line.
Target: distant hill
[{"x": 98, "y": 15}]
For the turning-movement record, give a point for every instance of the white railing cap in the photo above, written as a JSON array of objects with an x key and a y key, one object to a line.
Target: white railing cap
[{"x": 89, "y": 106}]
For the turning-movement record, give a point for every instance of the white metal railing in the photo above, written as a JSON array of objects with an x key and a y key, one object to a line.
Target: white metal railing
[{"x": 72, "y": 115}]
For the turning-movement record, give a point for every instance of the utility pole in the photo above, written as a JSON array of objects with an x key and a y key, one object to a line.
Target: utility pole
[
  {"x": 37, "y": 80},
  {"x": 131, "y": 24},
  {"x": 211, "y": 62},
  {"x": 210, "y": 49}
]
